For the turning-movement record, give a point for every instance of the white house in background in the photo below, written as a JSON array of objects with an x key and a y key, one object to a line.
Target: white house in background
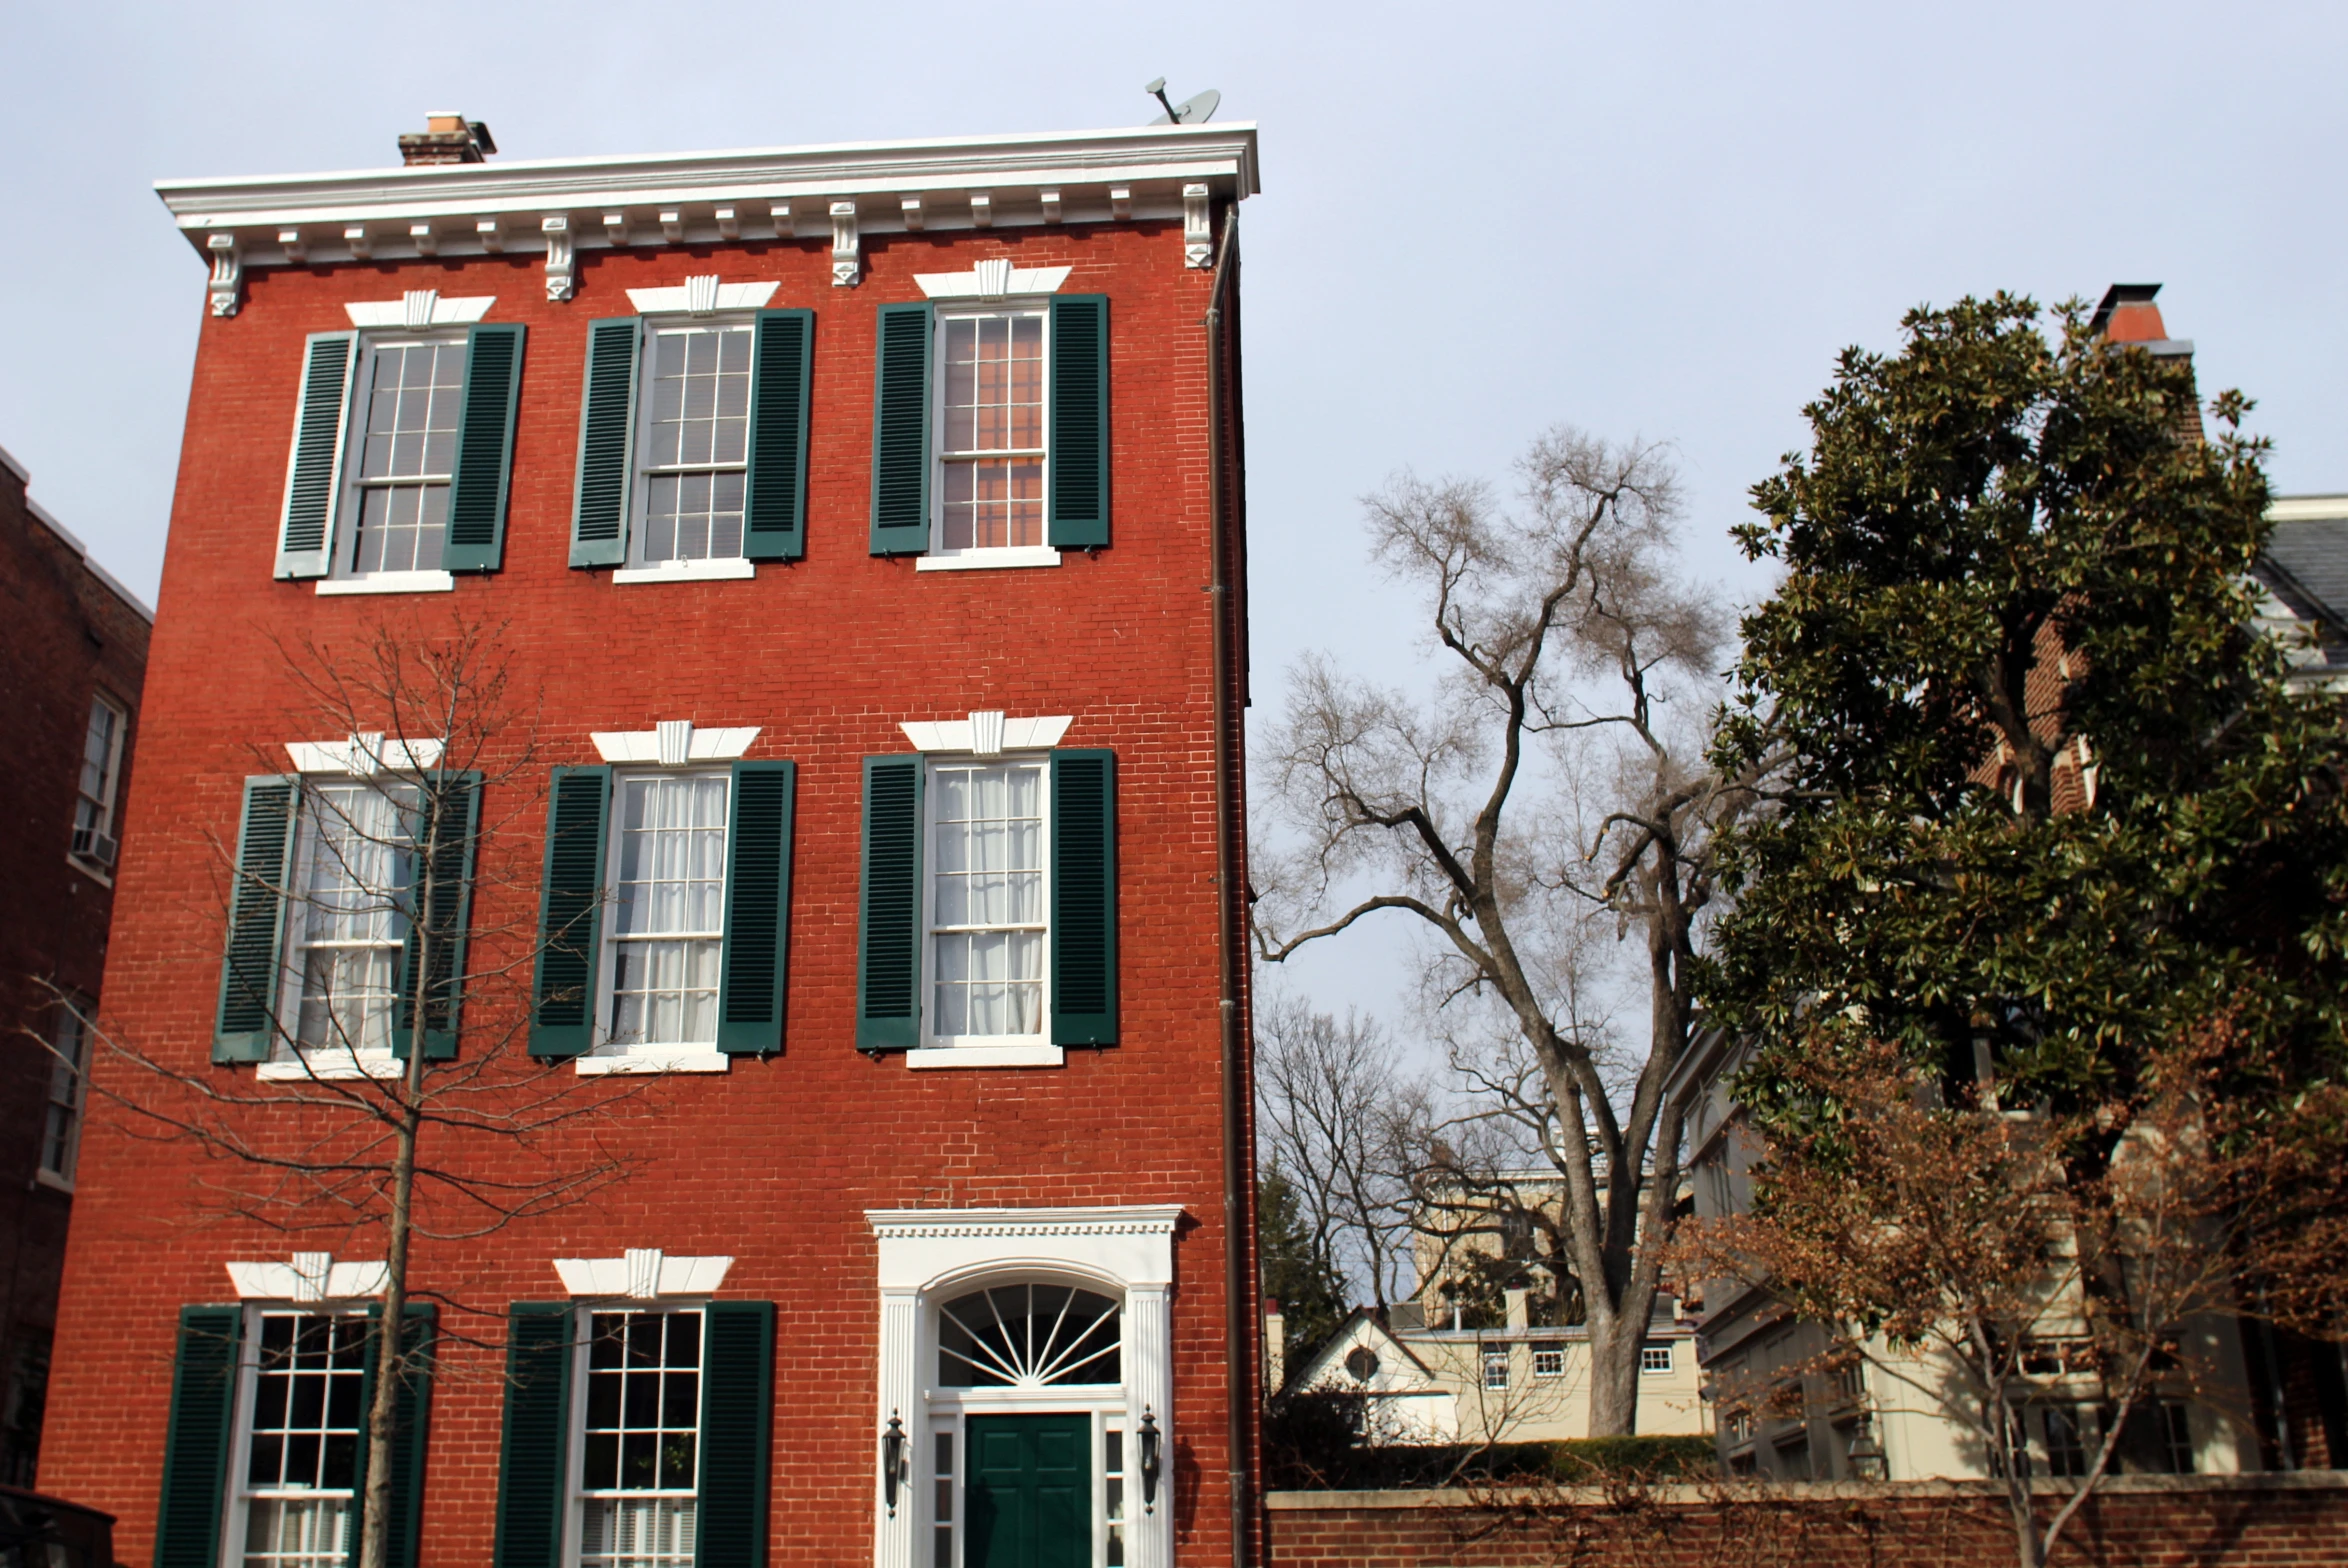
[
  {"x": 2304, "y": 575},
  {"x": 1516, "y": 1384}
]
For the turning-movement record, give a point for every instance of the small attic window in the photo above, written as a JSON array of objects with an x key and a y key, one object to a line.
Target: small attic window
[{"x": 1362, "y": 1363}]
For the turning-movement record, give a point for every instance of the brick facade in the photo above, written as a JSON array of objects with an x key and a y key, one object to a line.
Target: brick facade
[
  {"x": 2133, "y": 1522},
  {"x": 72, "y": 634},
  {"x": 776, "y": 1161}
]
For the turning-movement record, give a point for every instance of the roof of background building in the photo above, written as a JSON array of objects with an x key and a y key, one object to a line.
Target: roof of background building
[{"x": 113, "y": 583}]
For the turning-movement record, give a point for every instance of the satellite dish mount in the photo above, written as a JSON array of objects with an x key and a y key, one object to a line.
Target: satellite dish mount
[{"x": 1195, "y": 110}]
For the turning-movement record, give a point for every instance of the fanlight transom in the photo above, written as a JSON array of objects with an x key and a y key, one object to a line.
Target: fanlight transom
[{"x": 1029, "y": 1336}]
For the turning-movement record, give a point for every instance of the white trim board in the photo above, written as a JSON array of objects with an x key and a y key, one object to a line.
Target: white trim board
[
  {"x": 310, "y": 1276},
  {"x": 363, "y": 756},
  {"x": 418, "y": 310},
  {"x": 995, "y": 279},
  {"x": 641, "y": 1274},
  {"x": 727, "y": 296},
  {"x": 962, "y": 734},
  {"x": 699, "y": 745}
]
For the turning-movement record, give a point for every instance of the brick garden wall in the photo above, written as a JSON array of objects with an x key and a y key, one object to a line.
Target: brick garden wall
[
  {"x": 776, "y": 1161},
  {"x": 2276, "y": 1521}
]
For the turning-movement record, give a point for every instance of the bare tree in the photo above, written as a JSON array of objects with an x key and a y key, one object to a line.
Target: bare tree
[
  {"x": 1342, "y": 1122},
  {"x": 1556, "y": 772},
  {"x": 1963, "y": 1254},
  {"x": 368, "y": 1120}
]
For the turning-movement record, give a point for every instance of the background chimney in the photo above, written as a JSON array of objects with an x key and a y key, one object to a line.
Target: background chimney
[
  {"x": 2128, "y": 315},
  {"x": 447, "y": 137},
  {"x": 1275, "y": 1349}
]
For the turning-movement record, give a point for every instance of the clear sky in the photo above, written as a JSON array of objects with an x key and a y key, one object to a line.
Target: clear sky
[{"x": 1476, "y": 220}]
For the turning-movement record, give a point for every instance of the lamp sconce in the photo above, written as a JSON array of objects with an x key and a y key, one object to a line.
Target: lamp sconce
[
  {"x": 892, "y": 1460},
  {"x": 1149, "y": 1462},
  {"x": 1868, "y": 1462}
]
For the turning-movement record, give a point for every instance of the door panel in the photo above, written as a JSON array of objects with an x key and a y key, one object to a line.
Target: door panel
[{"x": 1029, "y": 1492}]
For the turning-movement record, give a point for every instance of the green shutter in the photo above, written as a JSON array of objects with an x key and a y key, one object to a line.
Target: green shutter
[
  {"x": 781, "y": 360},
  {"x": 1079, "y": 450},
  {"x": 249, "y": 977},
  {"x": 485, "y": 449},
  {"x": 900, "y": 432},
  {"x": 607, "y": 444},
  {"x": 570, "y": 924},
  {"x": 758, "y": 909},
  {"x": 195, "y": 1454},
  {"x": 534, "y": 1460},
  {"x": 313, "y": 476},
  {"x": 1084, "y": 898},
  {"x": 458, "y": 795},
  {"x": 888, "y": 939},
  {"x": 737, "y": 1414},
  {"x": 411, "y": 1412}
]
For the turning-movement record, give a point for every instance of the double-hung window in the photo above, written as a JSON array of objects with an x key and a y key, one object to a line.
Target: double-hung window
[
  {"x": 693, "y": 482},
  {"x": 69, "y": 1063},
  {"x": 294, "y": 1493},
  {"x": 987, "y": 903},
  {"x": 991, "y": 433},
  {"x": 93, "y": 806},
  {"x": 347, "y": 922},
  {"x": 667, "y": 932},
  {"x": 403, "y": 449},
  {"x": 639, "y": 1460}
]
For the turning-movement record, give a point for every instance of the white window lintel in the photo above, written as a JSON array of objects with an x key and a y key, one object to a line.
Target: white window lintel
[
  {"x": 363, "y": 756},
  {"x": 992, "y": 279},
  {"x": 419, "y": 310},
  {"x": 986, "y": 734},
  {"x": 673, "y": 743},
  {"x": 701, "y": 297},
  {"x": 642, "y": 1274},
  {"x": 308, "y": 1276}
]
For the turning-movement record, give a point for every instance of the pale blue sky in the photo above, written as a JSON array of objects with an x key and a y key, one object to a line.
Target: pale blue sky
[{"x": 1476, "y": 219}]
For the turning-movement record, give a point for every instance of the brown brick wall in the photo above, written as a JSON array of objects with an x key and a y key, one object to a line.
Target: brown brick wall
[
  {"x": 2137, "y": 1522},
  {"x": 68, "y": 635}
]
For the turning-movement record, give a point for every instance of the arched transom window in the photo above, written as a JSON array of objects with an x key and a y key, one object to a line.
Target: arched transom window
[{"x": 1029, "y": 1336}]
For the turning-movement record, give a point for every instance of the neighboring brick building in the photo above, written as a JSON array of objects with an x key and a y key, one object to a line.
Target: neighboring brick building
[
  {"x": 71, "y": 665},
  {"x": 722, "y": 448}
]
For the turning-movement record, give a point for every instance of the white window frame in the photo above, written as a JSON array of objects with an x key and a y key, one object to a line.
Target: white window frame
[
  {"x": 1647, "y": 1354},
  {"x": 720, "y": 568},
  {"x": 575, "y": 1491},
  {"x": 110, "y": 787},
  {"x": 606, "y": 1055},
  {"x": 1491, "y": 1359},
  {"x": 342, "y": 575},
  {"x": 69, "y": 1066},
  {"x": 289, "y": 1059},
  {"x": 238, "y": 1503},
  {"x": 982, "y": 1049},
  {"x": 1553, "y": 1353},
  {"x": 938, "y": 558}
]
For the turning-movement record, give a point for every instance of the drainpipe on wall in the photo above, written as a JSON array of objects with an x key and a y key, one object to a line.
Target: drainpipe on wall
[{"x": 1238, "y": 1291}]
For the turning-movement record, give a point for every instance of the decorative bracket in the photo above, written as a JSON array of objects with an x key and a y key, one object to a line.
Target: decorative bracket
[
  {"x": 297, "y": 249},
  {"x": 910, "y": 208},
  {"x": 491, "y": 232},
  {"x": 1120, "y": 202},
  {"x": 228, "y": 272},
  {"x": 982, "y": 211},
  {"x": 362, "y": 244},
  {"x": 728, "y": 227},
  {"x": 672, "y": 225},
  {"x": 1198, "y": 233},
  {"x": 426, "y": 242},
  {"x": 1051, "y": 206},
  {"x": 615, "y": 229},
  {"x": 780, "y": 214},
  {"x": 559, "y": 260},
  {"x": 847, "y": 266}
]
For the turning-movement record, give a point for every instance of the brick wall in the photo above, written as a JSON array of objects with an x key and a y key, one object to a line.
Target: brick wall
[
  {"x": 69, "y": 635},
  {"x": 2171, "y": 1521},
  {"x": 775, "y": 1161}
]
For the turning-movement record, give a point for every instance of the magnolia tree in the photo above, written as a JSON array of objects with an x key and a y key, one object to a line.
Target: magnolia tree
[
  {"x": 1553, "y": 775},
  {"x": 369, "y": 927},
  {"x": 2054, "y": 823}
]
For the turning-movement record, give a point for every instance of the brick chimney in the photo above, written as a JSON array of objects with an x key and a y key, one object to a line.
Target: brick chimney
[
  {"x": 447, "y": 137},
  {"x": 2128, "y": 317}
]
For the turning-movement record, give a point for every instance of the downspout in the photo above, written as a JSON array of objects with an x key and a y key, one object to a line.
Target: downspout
[{"x": 1238, "y": 1291}]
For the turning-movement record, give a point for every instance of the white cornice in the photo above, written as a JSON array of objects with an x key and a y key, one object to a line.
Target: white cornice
[{"x": 689, "y": 198}]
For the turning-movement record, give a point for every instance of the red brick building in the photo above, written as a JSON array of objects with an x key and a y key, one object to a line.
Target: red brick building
[
  {"x": 71, "y": 665},
  {"x": 861, "y": 530}
]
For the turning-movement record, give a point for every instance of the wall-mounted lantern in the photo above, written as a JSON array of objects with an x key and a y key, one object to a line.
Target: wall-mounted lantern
[
  {"x": 1149, "y": 1462},
  {"x": 892, "y": 1460}
]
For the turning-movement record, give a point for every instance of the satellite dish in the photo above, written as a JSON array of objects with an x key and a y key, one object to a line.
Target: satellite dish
[{"x": 1195, "y": 110}]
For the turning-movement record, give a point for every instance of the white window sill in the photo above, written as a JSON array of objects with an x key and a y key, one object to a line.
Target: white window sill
[
  {"x": 49, "y": 1178},
  {"x": 986, "y": 1056},
  {"x": 88, "y": 869},
  {"x": 662, "y": 1061},
  {"x": 390, "y": 582},
  {"x": 687, "y": 572},
  {"x": 984, "y": 560},
  {"x": 331, "y": 1069}
]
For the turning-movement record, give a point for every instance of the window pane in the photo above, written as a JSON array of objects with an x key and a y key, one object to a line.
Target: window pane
[
  {"x": 349, "y": 919},
  {"x": 994, "y": 383},
  {"x": 700, "y": 401},
  {"x": 641, "y": 1429},
  {"x": 669, "y": 909}
]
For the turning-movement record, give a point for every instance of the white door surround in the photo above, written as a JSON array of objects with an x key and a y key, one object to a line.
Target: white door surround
[{"x": 932, "y": 1255}]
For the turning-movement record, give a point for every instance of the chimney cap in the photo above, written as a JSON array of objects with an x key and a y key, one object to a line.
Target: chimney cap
[
  {"x": 447, "y": 137},
  {"x": 2118, "y": 299}
]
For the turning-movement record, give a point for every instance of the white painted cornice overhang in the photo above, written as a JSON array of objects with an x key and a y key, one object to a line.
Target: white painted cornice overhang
[{"x": 444, "y": 210}]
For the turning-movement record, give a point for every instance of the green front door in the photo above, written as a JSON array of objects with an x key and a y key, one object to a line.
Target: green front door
[{"x": 1029, "y": 1491}]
